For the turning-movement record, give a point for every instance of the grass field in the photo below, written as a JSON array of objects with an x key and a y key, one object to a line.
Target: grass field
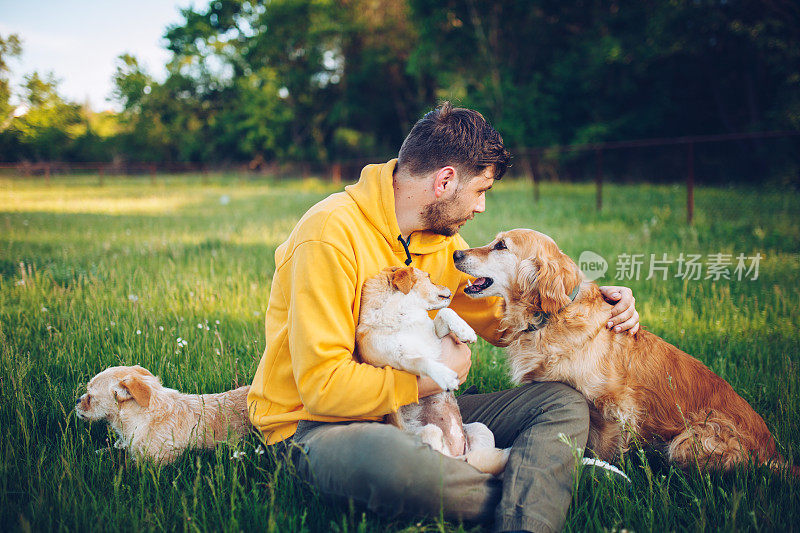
[{"x": 92, "y": 277}]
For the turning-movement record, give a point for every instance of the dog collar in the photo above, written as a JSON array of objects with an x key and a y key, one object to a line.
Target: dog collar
[{"x": 543, "y": 323}]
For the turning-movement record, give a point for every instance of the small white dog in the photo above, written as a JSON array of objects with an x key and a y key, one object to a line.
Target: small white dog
[
  {"x": 155, "y": 422},
  {"x": 394, "y": 329}
]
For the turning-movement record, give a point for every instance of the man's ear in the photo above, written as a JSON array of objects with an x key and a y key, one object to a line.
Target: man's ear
[
  {"x": 133, "y": 388},
  {"x": 445, "y": 180},
  {"x": 403, "y": 279}
]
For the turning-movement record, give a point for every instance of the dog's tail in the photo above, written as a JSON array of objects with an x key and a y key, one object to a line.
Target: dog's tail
[{"x": 779, "y": 464}]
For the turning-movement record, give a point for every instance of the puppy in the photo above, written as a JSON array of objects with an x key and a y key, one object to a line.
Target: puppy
[
  {"x": 555, "y": 324},
  {"x": 158, "y": 423},
  {"x": 394, "y": 329}
]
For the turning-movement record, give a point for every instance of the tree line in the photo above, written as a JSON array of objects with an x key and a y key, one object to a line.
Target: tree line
[{"x": 326, "y": 80}]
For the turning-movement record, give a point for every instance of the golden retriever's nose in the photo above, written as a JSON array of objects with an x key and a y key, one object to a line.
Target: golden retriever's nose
[{"x": 458, "y": 255}]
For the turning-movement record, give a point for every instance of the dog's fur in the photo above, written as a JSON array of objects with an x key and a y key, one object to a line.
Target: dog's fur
[
  {"x": 394, "y": 329},
  {"x": 155, "y": 422},
  {"x": 635, "y": 384}
]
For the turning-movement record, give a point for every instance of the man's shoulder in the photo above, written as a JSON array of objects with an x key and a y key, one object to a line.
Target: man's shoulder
[{"x": 330, "y": 221}]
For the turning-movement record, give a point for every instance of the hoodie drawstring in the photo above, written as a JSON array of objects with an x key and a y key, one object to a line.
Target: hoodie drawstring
[{"x": 405, "y": 247}]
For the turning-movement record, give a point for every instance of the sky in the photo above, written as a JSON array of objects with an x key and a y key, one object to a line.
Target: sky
[{"x": 79, "y": 41}]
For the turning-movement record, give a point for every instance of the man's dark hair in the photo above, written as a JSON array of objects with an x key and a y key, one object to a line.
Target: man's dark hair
[{"x": 453, "y": 136}]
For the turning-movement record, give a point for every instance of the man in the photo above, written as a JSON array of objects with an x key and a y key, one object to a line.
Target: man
[{"x": 408, "y": 211}]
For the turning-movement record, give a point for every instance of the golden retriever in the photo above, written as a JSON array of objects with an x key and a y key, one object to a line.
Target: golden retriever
[
  {"x": 555, "y": 324},
  {"x": 158, "y": 423},
  {"x": 394, "y": 329}
]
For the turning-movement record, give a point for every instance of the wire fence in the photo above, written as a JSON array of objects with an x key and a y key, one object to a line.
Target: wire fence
[{"x": 746, "y": 158}]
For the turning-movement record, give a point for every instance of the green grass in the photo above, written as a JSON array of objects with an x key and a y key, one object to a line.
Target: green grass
[{"x": 115, "y": 274}]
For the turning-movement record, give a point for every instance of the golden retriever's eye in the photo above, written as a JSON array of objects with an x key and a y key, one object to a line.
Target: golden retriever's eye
[{"x": 500, "y": 246}]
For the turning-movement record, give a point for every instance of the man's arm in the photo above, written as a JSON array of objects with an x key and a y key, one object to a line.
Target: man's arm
[{"x": 321, "y": 337}]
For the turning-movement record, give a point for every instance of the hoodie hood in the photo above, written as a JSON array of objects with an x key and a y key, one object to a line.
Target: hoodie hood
[{"x": 374, "y": 195}]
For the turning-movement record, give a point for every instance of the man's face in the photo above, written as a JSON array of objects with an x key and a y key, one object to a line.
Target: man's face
[{"x": 446, "y": 215}]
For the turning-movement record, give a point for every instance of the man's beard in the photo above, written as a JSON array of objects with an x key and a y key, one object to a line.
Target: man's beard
[{"x": 438, "y": 219}]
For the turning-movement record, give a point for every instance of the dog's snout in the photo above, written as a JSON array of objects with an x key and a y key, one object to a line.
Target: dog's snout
[{"x": 458, "y": 255}]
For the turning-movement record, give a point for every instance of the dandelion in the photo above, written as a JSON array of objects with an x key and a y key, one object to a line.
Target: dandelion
[{"x": 238, "y": 455}]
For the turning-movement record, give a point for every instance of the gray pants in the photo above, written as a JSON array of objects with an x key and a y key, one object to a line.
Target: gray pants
[{"x": 392, "y": 472}]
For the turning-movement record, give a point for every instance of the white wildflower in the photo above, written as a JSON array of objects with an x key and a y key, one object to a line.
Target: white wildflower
[
  {"x": 238, "y": 455},
  {"x": 216, "y": 322},
  {"x": 44, "y": 309},
  {"x": 259, "y": 450},
  {"x": 133, "y": 298},
  {"x": 199, "y": 326},
  {"x": 138, "y": 332},
  {"x": 160, "y": 328}
]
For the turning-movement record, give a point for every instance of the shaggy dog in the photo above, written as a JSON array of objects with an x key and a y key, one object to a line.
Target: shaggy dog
[
  {"x": 555, "y": 324},
  {"x": 394, "y": 329},
  {"x": 158, "y": 423}
]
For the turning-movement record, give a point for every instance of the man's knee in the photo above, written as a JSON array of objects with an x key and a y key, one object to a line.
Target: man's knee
[{"x": 558, "y": 402}]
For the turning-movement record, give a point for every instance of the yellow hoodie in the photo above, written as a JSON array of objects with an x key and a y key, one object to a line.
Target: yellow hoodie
[{"x": 308, "y": 371}]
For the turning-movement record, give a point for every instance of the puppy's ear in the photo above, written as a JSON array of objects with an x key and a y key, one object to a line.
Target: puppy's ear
[
  {"x": 133, "y": 388},
  {"x": 403, "y": 279}
]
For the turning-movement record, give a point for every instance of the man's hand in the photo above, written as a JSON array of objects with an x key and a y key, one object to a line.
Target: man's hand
[
  {"x": 623, "y": 315},
  {"x": 456, "y": 356}
]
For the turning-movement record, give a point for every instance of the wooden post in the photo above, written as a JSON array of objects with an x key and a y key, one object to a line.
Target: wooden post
[
  {"x": 205, "y": 175},
  {"x": 599, "y": 178},
  {"x": 531, "y": 165},
  {"x": 690, "y": 184},
  {"x": 101, "y": 175},
  {"x": 47, "y": 174},
  {"x": 152, "y": 174},
  {"x": 337, "y": 174}
]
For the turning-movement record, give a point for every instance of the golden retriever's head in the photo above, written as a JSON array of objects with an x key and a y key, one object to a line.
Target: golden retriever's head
[
  {"x": 521, "y": 265},
  {"x": 115, "y": 389},
  {"x": 407, "y": 283}
]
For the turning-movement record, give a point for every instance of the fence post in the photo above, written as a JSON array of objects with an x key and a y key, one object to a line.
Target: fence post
[
  {"x": 529, "y": 166},
  {"x": 690, "y": 184},
  {"x": 337, "y": 174},
  {"x": 47, "y": 174},
  {"x": 152, "y": 174},
  {"x": 101, "y": 175},
  {"x": 599, "y": 178}
]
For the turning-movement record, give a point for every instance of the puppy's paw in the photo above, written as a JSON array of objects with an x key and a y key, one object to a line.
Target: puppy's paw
[
  {"x": 449, "y": 321},
  {"x": 464, "y": 332},
  {"x": 446, "y": 378}
]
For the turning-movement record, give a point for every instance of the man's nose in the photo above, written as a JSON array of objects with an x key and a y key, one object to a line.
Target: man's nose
[
  {"x": 480, "y": 207},
  {"x": 458, "y": 255}
]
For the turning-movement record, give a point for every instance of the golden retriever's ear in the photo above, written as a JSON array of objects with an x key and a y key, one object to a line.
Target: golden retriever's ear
[
  {"x": 403, "y": 279},
  {"x": 133, "y": 388},
  {"x": 548, "y": 283}
]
